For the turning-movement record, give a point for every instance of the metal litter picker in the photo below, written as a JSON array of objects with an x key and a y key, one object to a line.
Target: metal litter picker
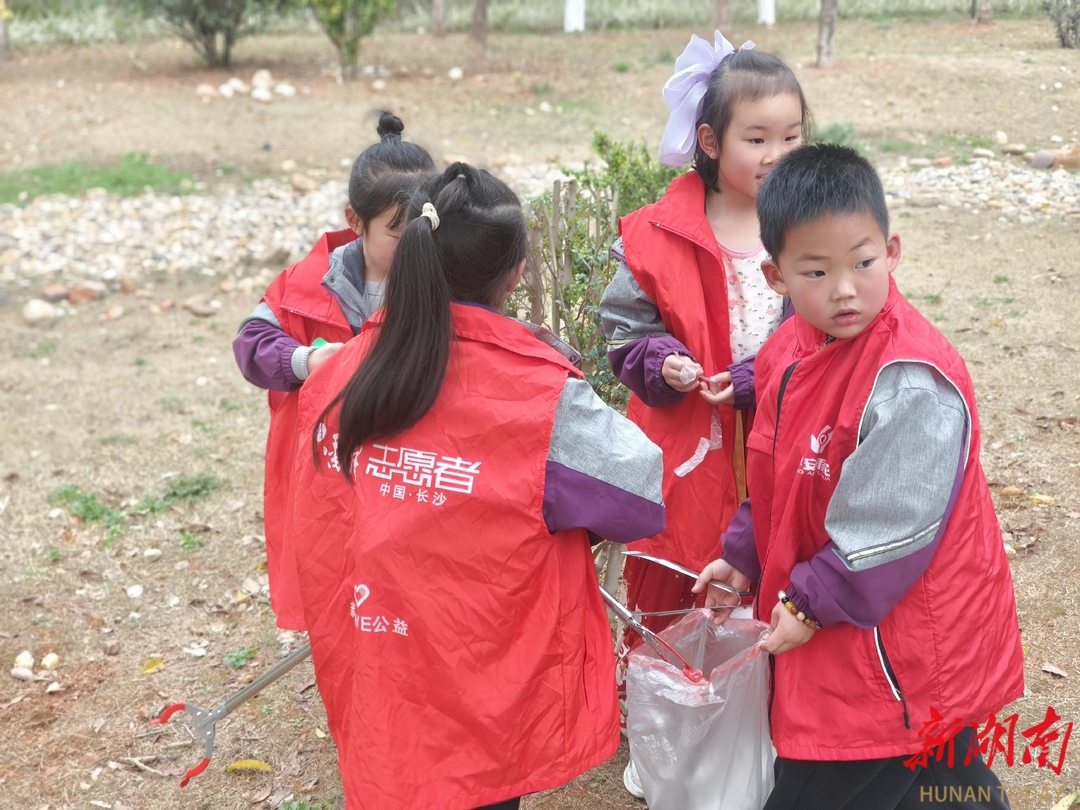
[{"x": 205, "y": 721}]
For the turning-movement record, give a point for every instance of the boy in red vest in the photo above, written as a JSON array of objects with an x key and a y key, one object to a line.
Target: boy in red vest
[{"x": 872, "y": 539}]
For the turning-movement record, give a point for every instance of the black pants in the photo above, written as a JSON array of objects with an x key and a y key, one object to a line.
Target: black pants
[
  {"x": 509, "y": 804},
  {"x": 885, "y": 784}
]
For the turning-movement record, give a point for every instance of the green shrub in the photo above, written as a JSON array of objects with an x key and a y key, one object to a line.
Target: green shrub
[
  {"x": 574, "y": 226},
  {"x": 1066, "y": 17},
  {"x": 212, "y": 27}
]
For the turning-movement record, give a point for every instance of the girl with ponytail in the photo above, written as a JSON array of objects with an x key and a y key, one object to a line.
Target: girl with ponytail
[
  {"x": 461, "y": 466},
  {"x": 308, "y": 313}
]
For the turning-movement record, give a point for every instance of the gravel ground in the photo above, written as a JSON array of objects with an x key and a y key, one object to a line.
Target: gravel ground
[{"x": 246, "y": 235}]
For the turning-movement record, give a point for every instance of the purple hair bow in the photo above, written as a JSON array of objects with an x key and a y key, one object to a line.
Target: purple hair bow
[{"x": 684, "y": 95}]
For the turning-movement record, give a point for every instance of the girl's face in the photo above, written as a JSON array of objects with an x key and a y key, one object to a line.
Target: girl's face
[
  {"x": 380, "y": 242},
  {"x": 759, "y": 133}
]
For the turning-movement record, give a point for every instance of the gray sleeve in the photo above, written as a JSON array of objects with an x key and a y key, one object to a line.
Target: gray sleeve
[
  {"x": 627, "y": 313},
  {"x": 595, "y": 440},
  {"x": 262, "y": 313},
  {"x": 895, "y": 488}
]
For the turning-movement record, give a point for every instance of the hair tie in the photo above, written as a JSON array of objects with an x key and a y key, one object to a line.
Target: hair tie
[
  {"x": 429, "y": 211},
  {"x": 684, "y": 94}
]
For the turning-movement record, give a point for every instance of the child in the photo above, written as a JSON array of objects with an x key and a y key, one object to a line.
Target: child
[
  {"x": 873, "y": 544},
  {"x": 459, "y": 639},
  {"x": 688, "y": 307},
  {"x": 327, "y": 297}
]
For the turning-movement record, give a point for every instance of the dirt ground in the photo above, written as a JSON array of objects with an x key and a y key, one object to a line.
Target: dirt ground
[{"x": 124, "y": 410}]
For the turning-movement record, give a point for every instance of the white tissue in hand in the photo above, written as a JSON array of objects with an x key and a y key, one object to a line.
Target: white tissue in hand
[{"x": 687, "y": 375}]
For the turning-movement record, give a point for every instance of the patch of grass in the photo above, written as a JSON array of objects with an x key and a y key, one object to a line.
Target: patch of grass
[
  {"x": 200, "y": 425},
  {"x": 191, "y": 542},
  {"x": 240, "y": 657},
  {"x": 191, "y": 488},
  {"x": 621, "y": 67},
  {"x": 838, "y": 132},
  {"x": 117, "y": 440},
  {"x": 54, "y": 555},
  {"x": 130, "y": 177},
  {"x": 87, "y": 508},
  {"x": 38, "y": 350},
  {"x": 140, "y": 361},
  {"x": 1001, "y": 279},
  {"x": 933, "y": 298},
  {"x": 983, "y": 303},
  {"x": 540, "y": 88},
  {"x": 171, "y": 404},
  {"x": 228, "y": 405}
]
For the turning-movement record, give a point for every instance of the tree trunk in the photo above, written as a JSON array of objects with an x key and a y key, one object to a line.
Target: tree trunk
[
  {"x": 5, "y": 40},
  {"x": 438, "y": 17},
  {"x": 826, "y": 32},
  {"x": 723, "y": 16},
  {"x": 985, "y": 14},
  {"x": 478, "y": 29},
  {"x": 573, "y": 16}
]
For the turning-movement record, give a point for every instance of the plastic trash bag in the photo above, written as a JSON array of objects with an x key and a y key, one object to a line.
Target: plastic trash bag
[{"x": 702, "y": 746}]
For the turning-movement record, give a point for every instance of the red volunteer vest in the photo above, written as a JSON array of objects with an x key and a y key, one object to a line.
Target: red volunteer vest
[
  {"x": 306, "y": 311},
  {"x": 952, "y": 640},
  {"x": 672, "y": 252},
  {"x": 462, "y": 650}
]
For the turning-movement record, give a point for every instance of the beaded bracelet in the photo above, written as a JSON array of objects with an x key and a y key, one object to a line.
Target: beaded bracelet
[{"x": 798, "y": 614}]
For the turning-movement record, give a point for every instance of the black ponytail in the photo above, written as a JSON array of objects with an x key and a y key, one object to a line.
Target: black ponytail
[{"x": 470, "y": 256}]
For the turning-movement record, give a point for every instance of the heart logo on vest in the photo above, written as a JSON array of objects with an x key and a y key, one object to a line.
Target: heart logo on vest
[
  {"x": 821, "y": 441},
  {"x": 360, "y": 595}
]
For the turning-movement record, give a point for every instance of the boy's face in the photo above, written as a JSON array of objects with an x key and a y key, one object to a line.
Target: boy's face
[{"x": 836, "y": 270}]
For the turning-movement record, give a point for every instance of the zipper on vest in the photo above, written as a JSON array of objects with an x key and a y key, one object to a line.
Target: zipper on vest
[
  {"x": 776, "y": 432},
  {"x": 890, "y": 675}
]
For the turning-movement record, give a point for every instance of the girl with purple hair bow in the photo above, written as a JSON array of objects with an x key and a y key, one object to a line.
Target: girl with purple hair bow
[{"x": 688, "y": 306}]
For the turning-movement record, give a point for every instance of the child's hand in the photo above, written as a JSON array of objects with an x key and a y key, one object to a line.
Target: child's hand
[
  {"x": 717, "y": 389},
  {"x": 787, "y": 631},
  {"x": 681, "y": 373},
  {"x": 721, "y": 571},
  {"x": 321, "y": 355}
]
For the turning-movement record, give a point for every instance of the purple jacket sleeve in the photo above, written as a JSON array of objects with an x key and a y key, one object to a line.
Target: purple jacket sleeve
[
  {"x": 742, "y": 380},
  {"x": 639, "y": 366},
  {"x": 264, "y": 354},
  {"x": 574, "y": 499},
  {"x": 739, "y": 548}
]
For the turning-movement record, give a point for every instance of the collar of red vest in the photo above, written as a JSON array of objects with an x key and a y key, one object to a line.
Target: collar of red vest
[{"x": 810, "y": 339}]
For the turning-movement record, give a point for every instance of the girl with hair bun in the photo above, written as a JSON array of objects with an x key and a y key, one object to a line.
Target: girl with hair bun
[
  {"x": 310, "y": 310},
  {"x": 461, "y": 467}
]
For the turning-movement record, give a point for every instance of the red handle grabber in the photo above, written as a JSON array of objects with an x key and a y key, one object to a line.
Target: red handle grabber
[{"x": 204, "y": 721}]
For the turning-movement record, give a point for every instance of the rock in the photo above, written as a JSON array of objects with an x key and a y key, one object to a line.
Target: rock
[
  {"x": 204, "y": 90},
  {"x": 111, "y": 647},
  {"x": 135, "y": 591},
  {"x": 50, "y": 661},
  {"x": 152, "y": 554},
  {"x": 54, "y": 293},
  {"x": 983, "y": 153},
  {"x": 24, "y": 660},
  {"x": 919, "y": 163},
  {"x": 455, "y": 74},
  {"x": 378, "y": 86},
  {"x": 238, "y": 85},
  {"x": 22, "y": 674},
  {"x": 226, "y": 91},
  {"x": 262, "y": 94},
  {"x": 86, "y": 291},
  {"x": 200, "y": 306},
  {"x": 1014, "y": 149},
  {"x": 1043, "y": 159},
  {"x": 923, "y": 201},
  {"x": 1069, "y": 157},
  {"x": 943, "y": 160},
  {"x": 38, "y": 313},
  {"x": 262, "y": 80},
  {"x": 1000, "y": 138},
  {"x": 288, "y": 166},
  {"x": 285, "y": 89},
  {"x": 302, "y": 183}
]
